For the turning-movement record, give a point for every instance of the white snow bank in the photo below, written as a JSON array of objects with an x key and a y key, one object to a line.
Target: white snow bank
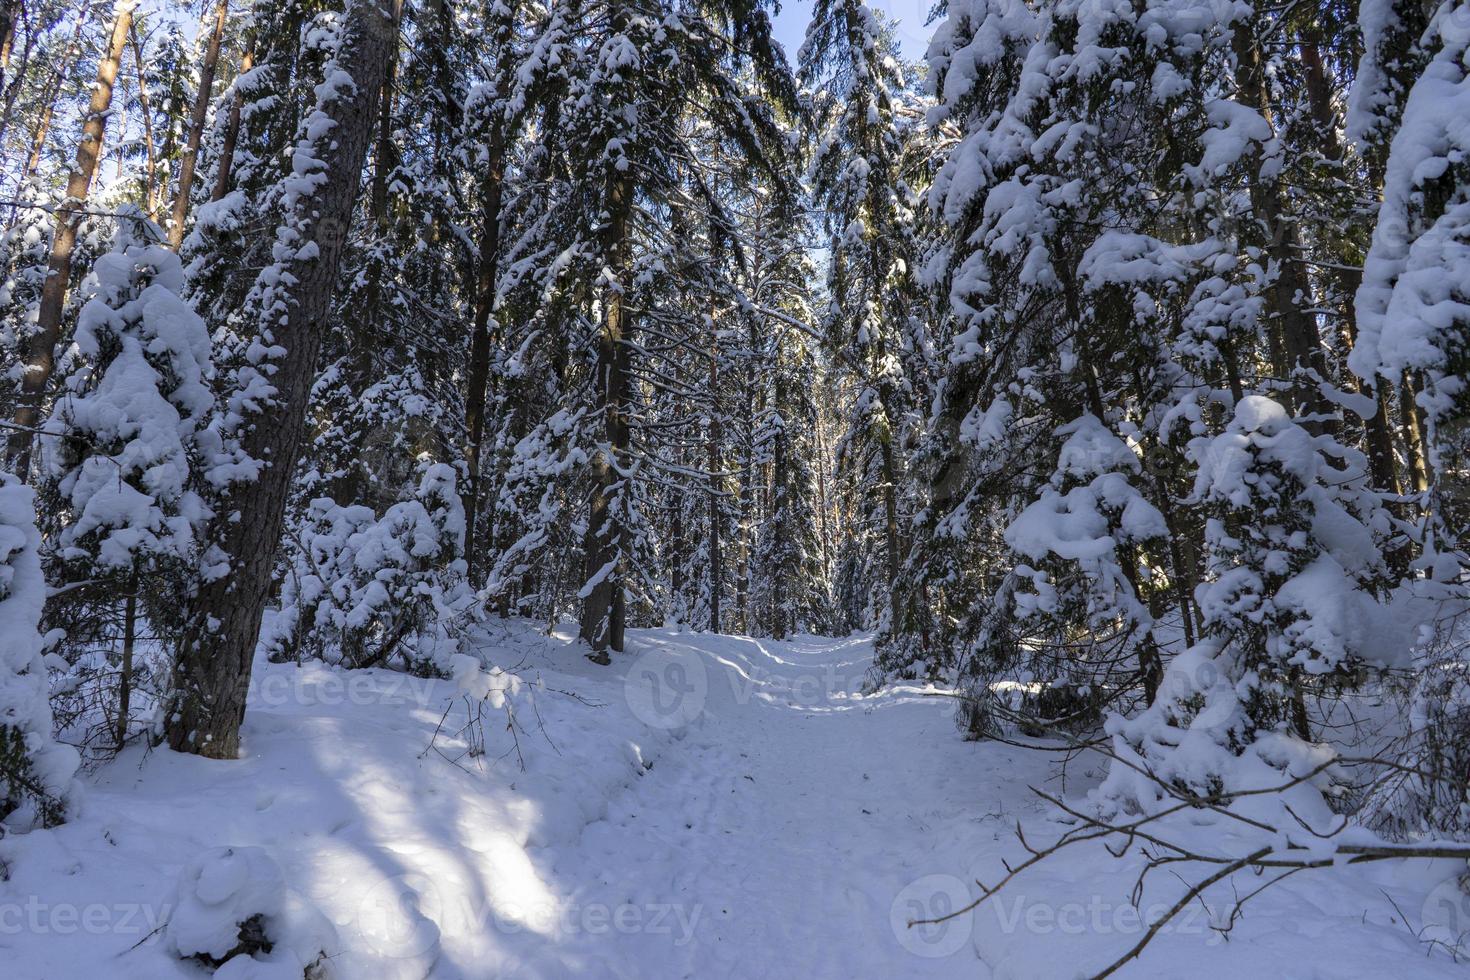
[{"x": 229, "y": 889}]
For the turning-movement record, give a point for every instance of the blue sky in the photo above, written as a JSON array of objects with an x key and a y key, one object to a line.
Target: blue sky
[{"x": 910, "y": 15}]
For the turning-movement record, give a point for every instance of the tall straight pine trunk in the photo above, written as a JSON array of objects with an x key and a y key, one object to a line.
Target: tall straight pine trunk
[
  {"x": 715, "y": 434},
  {"x": 40, "y": 356},
  {"x": 49, "y": 96},
  {"x": 9, "y": 13},
  {"x": 212, "y": 670},
  {"x": 1295, "y": 343},
  {"x": 891, "y": 546},
  {"x": 603, "y": 601},
  {"x": 780, "y": 518},
  {"x": 150, "y": 185},
  {"x": 196, "y": 126},
  {"x": 225, "y": 169},
  {"x": 487, "y": 278}
]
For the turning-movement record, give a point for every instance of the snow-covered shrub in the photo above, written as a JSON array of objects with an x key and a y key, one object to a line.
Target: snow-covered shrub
[
  {"x": 35, "y": 771},
  {"x": 1423, "y": 786},
  {"x": 368, "y": 435},
  {"x": 1082, "y": 536},
  {"x": 533, "y": 498},
  {"x": 120, "y": 467},
  {"x": 360, "y": 589},
  {"x": 1293, "y": 565},
  {"x": 132, "y": 399},
  {"x": 1431, "y": 794},
  {"x": 231, "y": 909}
]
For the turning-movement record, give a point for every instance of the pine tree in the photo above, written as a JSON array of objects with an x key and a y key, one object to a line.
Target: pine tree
[
  {"x": 121, "y": 453},
  {"x": 623, "y": 144},
  {"x": 288, "y": 300},
  {"x": 856, "y": 174},
  {"x": 123, "y": 450},
  {"x": 1414, "y": 318},
  {"x": 1294, "y": 572}
]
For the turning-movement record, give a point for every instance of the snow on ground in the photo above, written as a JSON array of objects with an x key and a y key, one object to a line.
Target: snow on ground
[{"x": 707, "y": 807}]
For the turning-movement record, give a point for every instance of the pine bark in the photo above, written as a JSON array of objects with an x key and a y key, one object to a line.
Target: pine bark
[
  {"x": 225, "y": 172},
  {"x": 151, "y": 159},
  {"x": 1413, "y": 428},
  {"x": 9, "y": 89},
  {"x": 9, "y": 13},
  {"x": 212, "y": 670},
  {"x": 604, "y": 605},
  {"x": 40, "y": 358},
  {"x": 716, "y": 554},
  {"x": 1296, "y": 345},
  {"x": 196, "y": 126},
  {"x": 488, "y": 276}
]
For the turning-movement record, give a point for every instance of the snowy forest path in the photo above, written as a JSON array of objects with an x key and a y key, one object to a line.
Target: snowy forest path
[
  {"x": 783, "y": 831},
  {"x": 705, "y": 807}
]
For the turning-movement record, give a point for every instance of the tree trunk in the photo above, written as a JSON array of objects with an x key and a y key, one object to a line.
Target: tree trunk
[
  {"x": 487, "y": 278},
  {"x": 890, "y": 527},
  {"x": 212, "y": 671},
  {"x": 716, "y": 556},
  {"x": 151, "y": 183},
  {"x": 745, "y": 501},
  {"x": 487, "y": 282},
  {"x": 384, "y": 153},
  {"x": 10, "y": 87},
  {"x": 125, "y": 681},
  {"x": 603, "y": 605},
  {"x": 780, "y": 519},
  {"x": 824, "y": 512},
  {"x": 1347, "y": 269},
  {"x": 49, "y": 97},
  {"x": 41, "y": 348},
  {"x": 1413, "y": 435},
  {"x": 224, "y": 173},
  {"x": 1296, "y": 345},
  {"x": 9, "y": 14},
  {"x": 196, "y": 126},
  {"x": 677, "y": 547}
]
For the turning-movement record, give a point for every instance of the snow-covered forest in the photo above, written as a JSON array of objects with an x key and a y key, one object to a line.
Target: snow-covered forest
[{"x": 703, "y": 488}]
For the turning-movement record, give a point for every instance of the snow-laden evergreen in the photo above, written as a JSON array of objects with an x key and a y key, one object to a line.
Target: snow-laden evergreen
[
  {"x": 363, "y": 590},
  {"x": 866, "y": 116},
  {"x": 1413, "y": 306},
  {"x": 1098, "y": 380},
  {"x": 122, "y": 447},
  {"x": 36, "y": 773},
  {"x": 1293, "y": 569}
]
